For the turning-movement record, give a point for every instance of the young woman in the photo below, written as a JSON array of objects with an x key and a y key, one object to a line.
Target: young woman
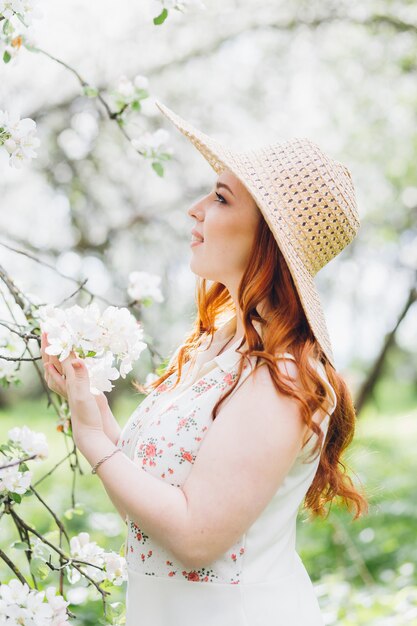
[{"x": 250, "y": 418}]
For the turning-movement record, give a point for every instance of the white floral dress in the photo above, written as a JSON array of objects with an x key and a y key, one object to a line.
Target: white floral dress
[{"x": 260, "y": 580}]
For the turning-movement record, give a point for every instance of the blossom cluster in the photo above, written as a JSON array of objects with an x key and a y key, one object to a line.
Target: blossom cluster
[
  {"x": 153, "y": 144},
  {"x": 130, "y": 93},
  {"x": 15, "y": 18},
  {"x": 29, "y": 441},
  {"x": 144, "y": 287},
  {"x": 22, "y": 442},
  {"x": 18, "y": 137},
  {"x": 103, "y": 340},
  {"x": 102, "y": 565},
  {"x": 21, "y": 605}
]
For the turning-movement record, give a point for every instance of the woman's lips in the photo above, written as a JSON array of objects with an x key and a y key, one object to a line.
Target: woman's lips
[{"x": 196, "y": 237}]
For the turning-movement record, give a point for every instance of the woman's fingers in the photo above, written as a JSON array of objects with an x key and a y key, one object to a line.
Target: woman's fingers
[
  {"x": 49, "y": 358},
  {"x": 44, "y": 343},
  {"x": 52, "y": 375},
  {"x": 55, "y": 381}
]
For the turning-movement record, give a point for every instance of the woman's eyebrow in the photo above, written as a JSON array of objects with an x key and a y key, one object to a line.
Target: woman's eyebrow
[{"x": 225, "y": 186}]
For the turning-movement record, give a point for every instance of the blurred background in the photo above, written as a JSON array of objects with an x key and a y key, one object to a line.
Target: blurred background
[{"x": 90, "y": 207}]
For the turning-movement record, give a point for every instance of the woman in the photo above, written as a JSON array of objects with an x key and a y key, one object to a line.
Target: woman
[{"x": 250, "y": 417}]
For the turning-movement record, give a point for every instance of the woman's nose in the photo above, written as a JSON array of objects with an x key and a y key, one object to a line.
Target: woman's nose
[{"x": 196, "y": 210}]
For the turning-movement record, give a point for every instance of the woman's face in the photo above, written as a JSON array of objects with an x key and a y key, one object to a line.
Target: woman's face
[{"x": 226, "y": 218}]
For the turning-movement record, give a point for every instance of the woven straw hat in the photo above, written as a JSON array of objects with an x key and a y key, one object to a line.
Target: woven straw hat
[{"x": 307, "y": 199}]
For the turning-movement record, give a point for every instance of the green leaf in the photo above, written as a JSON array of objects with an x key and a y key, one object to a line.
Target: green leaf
[
  {"x": 31, "y": 48},
  {"x": 16, "y": 497},
  {"x": 122, "y": 549},
  {"x": 20, "y": 545},
  {"x": 43, "y": 552},
  {"x": 69, "y": 513},
  {"x": 164, "y": 156},
  {"x": 160, "y": 19},
  {"x": 136, "y": 105},
  {"x": 52, "y": 536},
  {"x": 114, "y": 613},
  {"x": 91, "y": 353},
  {"x": 158, "y": 168},
  {"x": 23, "y": 467},
  {"x": 39, "y": 568},
  {"x": 6, "y": 56},
  {"x": 90, "y": 92}
]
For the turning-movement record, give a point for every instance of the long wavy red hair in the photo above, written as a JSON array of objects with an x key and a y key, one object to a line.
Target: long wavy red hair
[{"x": 267, "y": 279}]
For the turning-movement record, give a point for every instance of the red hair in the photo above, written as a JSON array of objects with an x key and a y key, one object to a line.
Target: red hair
[{"x": 284, "y": 329}]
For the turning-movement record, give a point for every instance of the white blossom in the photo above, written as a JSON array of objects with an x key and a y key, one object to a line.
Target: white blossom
[
  {"x": 15, "y": 592},
  {"x": 101, "y": 372},
  {"x": 9, "y": 7},
  {"x": 125, "y": 87},
  {"x": 116, "y": 569},
  {"x": 114, "y": 565},
  {"x": 152, "y": 141},
  {"x": 141, "y": 82},
  {"x": 21, "y": 605},
  {"x": 58, "y": 605},
  {"x": 27, "y": 9},
  {"x": 85, "y": 325},
  {"x": 18, "y": 136},
  {"x": 8, "y": 369},
  {"x": 31, "y": 442},
  {"x": 13, "y": 480},
  {"x": 104, "y": 340},
  {"x": 129, "y": 91},
  {"x": 143, "y": 285},
  {"x": 60, "y": 341}
]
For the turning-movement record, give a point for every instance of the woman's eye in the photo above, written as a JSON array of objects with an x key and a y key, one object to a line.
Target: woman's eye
[{"x": 219, "y": 196}]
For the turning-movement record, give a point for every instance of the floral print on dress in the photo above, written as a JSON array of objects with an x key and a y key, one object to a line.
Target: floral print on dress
[
  {"x": 149, "y": 452},
  {"x": 165, "y": 434}
]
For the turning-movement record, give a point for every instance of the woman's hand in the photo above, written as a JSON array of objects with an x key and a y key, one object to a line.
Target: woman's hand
[
  {"x": 86, "y": 419},
  {"x": 53, "y": 374}
]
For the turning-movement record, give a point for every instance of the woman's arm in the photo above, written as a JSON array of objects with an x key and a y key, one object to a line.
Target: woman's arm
[
  {"x": 110, "y": 424},
  {"x": 58, "y": 384},
  {"x": 160, "y": 509}
]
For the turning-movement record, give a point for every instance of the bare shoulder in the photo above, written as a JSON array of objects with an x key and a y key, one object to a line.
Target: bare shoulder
[
  {"x": 259, "y": 396},
  {"x": 260, "y": 386}
]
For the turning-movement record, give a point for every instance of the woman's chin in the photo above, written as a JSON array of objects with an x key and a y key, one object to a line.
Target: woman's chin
[{"x": 199, "y": 271}]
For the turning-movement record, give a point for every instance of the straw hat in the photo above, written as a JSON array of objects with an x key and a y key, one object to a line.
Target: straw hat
[{"x": 307, "y": 199}]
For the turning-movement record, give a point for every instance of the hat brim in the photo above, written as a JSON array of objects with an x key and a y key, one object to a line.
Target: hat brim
[{"x": 220, "y": 157}]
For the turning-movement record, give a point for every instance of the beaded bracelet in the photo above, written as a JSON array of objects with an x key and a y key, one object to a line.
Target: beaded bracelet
[{"x": 97, "y": 465}]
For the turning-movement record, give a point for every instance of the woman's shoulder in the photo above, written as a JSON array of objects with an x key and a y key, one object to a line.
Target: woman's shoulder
[{"x": 287, "y": 365}]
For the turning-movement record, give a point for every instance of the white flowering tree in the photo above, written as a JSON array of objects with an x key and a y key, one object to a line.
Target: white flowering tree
[{"x": 109, "y": 340}]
